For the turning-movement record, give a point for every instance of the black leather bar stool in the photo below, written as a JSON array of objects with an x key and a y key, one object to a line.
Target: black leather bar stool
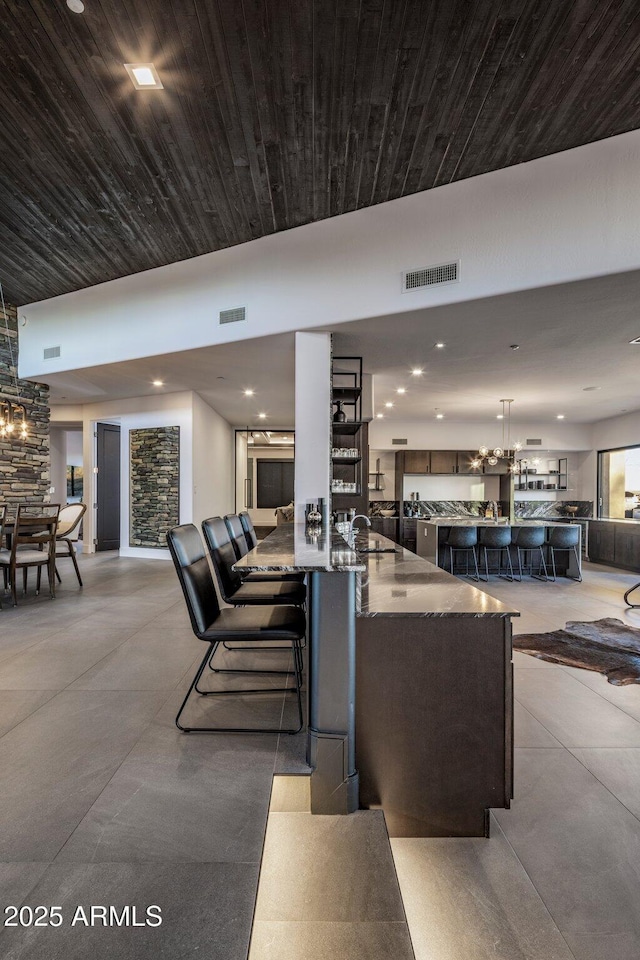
[
  {"x": 564, "y": 538},
  {"x": 496, "y": 540},
  {"x": 463, "y": 540},
  {"x": 528, "y": 540},
  {"x": 214, "y": 626},
  {"x": 232, "y": 588},
  {"x": 239, "y": 543}
]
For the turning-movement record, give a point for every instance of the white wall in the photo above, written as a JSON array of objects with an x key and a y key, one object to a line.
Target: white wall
[
  {"x": 58, "y": 466},
  {"x": 441, "y": 435},
  {"x": 313, "y": 413},
  {"x": 213, "y": 493},
  {"x": 556, "y": 219},
  {"x": 433, "y": 487}
]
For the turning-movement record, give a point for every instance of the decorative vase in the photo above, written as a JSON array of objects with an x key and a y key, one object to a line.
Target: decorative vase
[{"x": 339, "y": 416}]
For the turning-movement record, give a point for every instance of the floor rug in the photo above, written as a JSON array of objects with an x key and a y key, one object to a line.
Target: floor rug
[{"x": 606, "y": 646}]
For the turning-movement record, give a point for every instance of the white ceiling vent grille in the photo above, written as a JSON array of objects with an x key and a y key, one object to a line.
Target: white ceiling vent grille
[
  {"x": 50, "y": 353},
  {"x": 235, "y": 315},
  {"x": 431, "y": 276},
  {"x": 398, "y": 441},
  {"x": 533, "y": 443}
]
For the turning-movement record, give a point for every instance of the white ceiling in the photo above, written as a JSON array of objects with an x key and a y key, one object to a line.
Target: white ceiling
[{"x": 570, "y": 337}]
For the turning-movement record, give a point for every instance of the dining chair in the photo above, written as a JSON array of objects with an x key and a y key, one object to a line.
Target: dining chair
[
  {"x": 33, "y": 544},
  {"x": 68, "y": 534}
]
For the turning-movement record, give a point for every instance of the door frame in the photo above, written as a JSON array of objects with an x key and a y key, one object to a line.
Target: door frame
[{"x": 93, "y": 500}]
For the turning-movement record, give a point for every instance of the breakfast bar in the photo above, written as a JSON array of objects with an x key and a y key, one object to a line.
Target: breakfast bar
[{"x": 410, "y": 684}]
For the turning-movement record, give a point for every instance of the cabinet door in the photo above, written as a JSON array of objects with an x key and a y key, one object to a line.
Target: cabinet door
[
  {"x": 417, "y": 461},
  {"x": 464, "y": 462},
  {"x": 500, "y": 467},
  {"x": 444, "y": 461},
  {"x": 601, "y": 542},
  {"x": 626, "y": 547}
]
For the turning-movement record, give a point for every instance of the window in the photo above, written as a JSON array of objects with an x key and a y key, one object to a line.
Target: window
[
  {"x": 274, "y": 483},
  {"x": 619, "y": 483}
]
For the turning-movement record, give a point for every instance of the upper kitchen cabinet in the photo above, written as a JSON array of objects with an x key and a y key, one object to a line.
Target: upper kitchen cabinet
[
  {"x": 419, "y": 461},
  {"x": 465, "y": 459},
  {"x": 444, "y": 461}
]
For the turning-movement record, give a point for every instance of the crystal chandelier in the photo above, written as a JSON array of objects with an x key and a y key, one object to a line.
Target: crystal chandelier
[
  {"x": 13, "y": 412},
  {"x": 507, "y": 450}
]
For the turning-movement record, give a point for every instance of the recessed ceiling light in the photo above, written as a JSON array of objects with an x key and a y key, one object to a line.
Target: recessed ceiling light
[
  {"x": 262, "y": 416},
  {"x": 401, "y": 390},
  {"x": 417, "y": 372},
  {"x": 439, "y": 416},
  {"x": 248, "y": 393},
  {"x": 588, "y": 389},
  {"x": 388, "y": 404},
  {"x": 379, "y": 416},
  {"x": 440, "y": 345},
  {"x": 76, "y": 5},
  {"x": 144, "y": 76},
  {"x": 635, "y": 341},
  {"x": 500, "y": 416},
  {"x": 158, "y": 383},
  {"x": 514, "y": 346},
  {"x": 560, "y": 416}
]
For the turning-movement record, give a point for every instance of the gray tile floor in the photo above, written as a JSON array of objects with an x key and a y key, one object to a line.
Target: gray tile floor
[{"x": 102, "y": 801}]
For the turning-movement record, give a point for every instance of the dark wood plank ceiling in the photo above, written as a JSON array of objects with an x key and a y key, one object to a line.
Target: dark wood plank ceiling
[{"x": 276, "y": 113}]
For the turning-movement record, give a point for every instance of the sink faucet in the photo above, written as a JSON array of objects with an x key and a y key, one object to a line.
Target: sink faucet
[
  {"x": 494, "y": 508},
  {"x": 359, "y": 516}
]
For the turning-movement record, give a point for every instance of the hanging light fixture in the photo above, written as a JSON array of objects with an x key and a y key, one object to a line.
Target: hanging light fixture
[
  {"x": 507, "y": 450},
  {"x": 13, "y": 412}
]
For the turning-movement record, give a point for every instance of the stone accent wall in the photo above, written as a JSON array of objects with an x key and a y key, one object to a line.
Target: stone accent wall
[
  {"x": 24, "y": 464},
  {"x": 155, "y": 484}
]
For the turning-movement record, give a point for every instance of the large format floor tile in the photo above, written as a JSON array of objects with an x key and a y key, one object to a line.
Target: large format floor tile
[
  {"x": 56, "y": 762},
  {"x": 618, "y": 770},
  {"x": 578, "y": 843},
  {"x": 604, "y": 946},
  {"x": 206, "y": 912},
  {"x": 17, "y": 705},
  {"x": 281, "y": 940},
  {"x": 328, "y": 868},
  {"x": 572, "y": 713},
  {"x": 473, "y": 899}
]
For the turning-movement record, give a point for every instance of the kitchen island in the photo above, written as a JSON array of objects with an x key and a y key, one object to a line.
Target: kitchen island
[
  {"x": 432, "y": 534},
  {"x": 422, "y": 661}
]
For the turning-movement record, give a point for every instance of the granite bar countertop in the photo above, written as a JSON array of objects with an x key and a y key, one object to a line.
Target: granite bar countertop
[
  {"x": 394, "y": 583},
  {"x": 290, "y": 549},
  {"x": 401, "y": 584}
]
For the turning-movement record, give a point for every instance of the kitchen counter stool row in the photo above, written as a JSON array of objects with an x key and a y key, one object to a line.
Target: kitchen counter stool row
[{"x": 516, "y": 550}]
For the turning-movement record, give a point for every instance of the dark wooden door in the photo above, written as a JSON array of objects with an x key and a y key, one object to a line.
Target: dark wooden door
[
  {"x": 108, "y": 487},
  {"x": 275, "y": 479}
]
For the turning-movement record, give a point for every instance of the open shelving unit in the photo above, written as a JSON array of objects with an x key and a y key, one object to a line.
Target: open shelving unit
[
  {"x": 528, "y": 475},
  {"x": 351, "y": 434}
]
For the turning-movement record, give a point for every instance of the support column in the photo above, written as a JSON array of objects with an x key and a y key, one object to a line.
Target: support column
[
  {"x": 313, "y": 420},
  {"x": 332, "y": 693}
]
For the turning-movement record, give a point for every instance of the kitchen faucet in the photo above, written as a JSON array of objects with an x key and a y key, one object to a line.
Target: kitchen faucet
[
  {"x": 494, "y": 508},
  {"x": 359, "y": 516}
]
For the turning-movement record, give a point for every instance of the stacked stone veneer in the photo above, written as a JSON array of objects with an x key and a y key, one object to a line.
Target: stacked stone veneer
[
  {"x": 24, "y": 464},
  {"x": 155, "y": 485}
]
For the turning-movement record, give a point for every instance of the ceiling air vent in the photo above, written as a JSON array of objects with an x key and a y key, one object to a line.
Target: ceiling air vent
[
  {"x": 234, "y": 315},
  {"x": 533, "y": 443},
  {"x": 50, "y": 353},
  {"x": 398, "y": 441},
  {"x": 431, "y": 276}
]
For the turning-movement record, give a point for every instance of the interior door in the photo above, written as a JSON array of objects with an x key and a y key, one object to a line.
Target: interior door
[{"x": 108, "y": 487}]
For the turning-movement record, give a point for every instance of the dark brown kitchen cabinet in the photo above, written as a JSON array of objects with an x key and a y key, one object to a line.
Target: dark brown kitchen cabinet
[
  {"x": 601, "y": 541},
  {"x": 387, "y": 526},
  {"x": 444, "y": 461},
  {"x": 465, "y": 458},
  {"x": 409, "y": 533},
  {"x": 615, "y": 543},
  {"x": 418, "y": 461}
]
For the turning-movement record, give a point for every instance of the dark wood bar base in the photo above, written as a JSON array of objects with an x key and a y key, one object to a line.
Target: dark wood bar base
[{"x": 434, "y": 722}]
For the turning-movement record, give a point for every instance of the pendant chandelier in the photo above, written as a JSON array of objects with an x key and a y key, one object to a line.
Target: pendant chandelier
[
  {"x": 507, "y": 450},
  {"x": 13, "y": 412}
]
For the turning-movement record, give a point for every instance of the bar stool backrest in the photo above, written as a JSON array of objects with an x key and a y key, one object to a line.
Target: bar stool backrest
[
  {"x": 236, "y": 533},
  {"x": 495, "y": 536},
  {"x": 565, "y": 537},
  {"x": 223, "y": 556},
  {"x": 529, "y": 537},
  {"x": 461, "y": 537},
  {"x": 190, "y": 560},
  {"x": 249, "y": 529}
]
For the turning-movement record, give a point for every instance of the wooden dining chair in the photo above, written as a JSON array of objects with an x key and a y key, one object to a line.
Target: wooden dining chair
[
  {"x": 33, "y": 544},
  {"x": 68, "y": 533}
]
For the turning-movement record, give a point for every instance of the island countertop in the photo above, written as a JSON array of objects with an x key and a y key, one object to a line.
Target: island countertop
[{"x": 394, "y": 583}]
